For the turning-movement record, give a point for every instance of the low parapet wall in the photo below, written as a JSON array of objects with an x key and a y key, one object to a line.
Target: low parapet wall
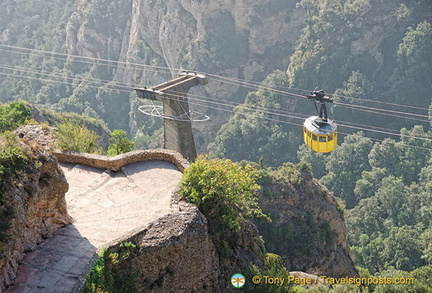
[{"x": 117, "y": 162}]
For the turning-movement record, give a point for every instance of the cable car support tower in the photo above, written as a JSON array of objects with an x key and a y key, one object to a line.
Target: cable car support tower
[{"x": 175, "y": 111}]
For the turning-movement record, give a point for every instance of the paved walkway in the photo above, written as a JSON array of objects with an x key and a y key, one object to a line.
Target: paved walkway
[{"x": 105, "y": 206}]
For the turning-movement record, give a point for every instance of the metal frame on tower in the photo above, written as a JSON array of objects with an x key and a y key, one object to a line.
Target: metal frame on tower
[{"x": 175, "y": 111}]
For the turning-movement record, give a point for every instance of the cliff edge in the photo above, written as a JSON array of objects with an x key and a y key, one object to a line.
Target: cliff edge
[{"x": 37, "y": 201}]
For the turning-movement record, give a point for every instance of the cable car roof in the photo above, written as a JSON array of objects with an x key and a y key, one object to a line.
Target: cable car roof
[{"x": 312, "y": 125}]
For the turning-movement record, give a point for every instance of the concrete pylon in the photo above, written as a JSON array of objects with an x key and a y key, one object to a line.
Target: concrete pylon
[{"x": 178, "y": 134}]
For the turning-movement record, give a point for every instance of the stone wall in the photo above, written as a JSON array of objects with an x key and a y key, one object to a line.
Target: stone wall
[{"x": 117, "y": 162}]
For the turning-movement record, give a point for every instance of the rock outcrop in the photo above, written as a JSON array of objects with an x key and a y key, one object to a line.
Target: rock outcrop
[
  {"x": 174, "y": 254},
  {"x": 177, "y": 254},
  {"x": 39, "y": 209},
  {"x": 308, "y": 228}
]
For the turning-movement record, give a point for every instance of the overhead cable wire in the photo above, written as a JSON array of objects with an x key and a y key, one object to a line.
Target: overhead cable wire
[
  {"x": 82, "y": 58},
  {"x": 339, "y": 132},
  {"x": 385, "y": 112},
  {"x": 281, "y": 113},
  {"x": 225, "y": 79},
  {"x": 127, "y": 87}
]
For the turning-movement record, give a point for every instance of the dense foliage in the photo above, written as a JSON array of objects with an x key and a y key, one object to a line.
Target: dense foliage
[
  {"x": 76, "y": 138},
  {"x": 273, "y": 266},
  {"x": 253, "y": 133},
  {"x": 109, "y": 274},
  {"x": 388, "y": 195},
  {"x": 13, "y": 115},
  {"x": 224, "y": 192}
]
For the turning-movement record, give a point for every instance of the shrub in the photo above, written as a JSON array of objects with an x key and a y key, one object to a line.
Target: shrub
[
  {"x": 224, "y": 192},
  {"x": 73, "y": 137},
  {"x": 109, "y": 274},
  {"x": 12, "y": 161},
  {"x": 119, "y": 143},
  {"x": 13, "y": 115},
  {"x": 274, "y": 268}
]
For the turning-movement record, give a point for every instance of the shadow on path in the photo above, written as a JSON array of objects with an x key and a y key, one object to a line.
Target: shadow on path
[{"x": 105, "y": 206}]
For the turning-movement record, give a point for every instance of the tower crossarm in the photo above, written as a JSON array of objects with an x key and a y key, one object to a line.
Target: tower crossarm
[{"x": 178, "y": 87}]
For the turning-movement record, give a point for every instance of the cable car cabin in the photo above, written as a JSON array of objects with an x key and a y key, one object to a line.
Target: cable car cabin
[{"x": 320, "y": 135}]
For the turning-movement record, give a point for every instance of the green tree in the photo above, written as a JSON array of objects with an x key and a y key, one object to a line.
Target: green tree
[
  {"x": 224, "y": 192},
  {"x": 402, "y": 249},
  {"x": 403, "y": 159},
  {"x": 315, "y": 159},
  {"x": 426, "y": 244},
  {"x": 368, "y": 252},
  {"x": 417, "y": 152},
  {"x": 13, "y": 115},
  {"x": 423, "y": 278},
  {"x": 393, "y": 196},
  {"x": 119, "y": 143},
  {"x": 392, "y": 274},
  {"x": 368, "y": 217},
  {"x": 412, "y": 75},
  {"x": 354, "y": 91},
  {"x": 114, "y": 106},
  {"x": 251, "y": 128},
  {"x": 345, "y": 166},
  {"x": 369, "y": 183}
]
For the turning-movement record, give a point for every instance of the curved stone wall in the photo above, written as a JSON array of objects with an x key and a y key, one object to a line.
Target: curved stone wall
[{"x": 117, "y": 162}]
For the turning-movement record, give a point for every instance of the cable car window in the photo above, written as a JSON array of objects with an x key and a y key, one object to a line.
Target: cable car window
[
  {"x": 322, "y": 139},
  {"x": 330, "y": 137},
  {"x": 314, "y": 137}
]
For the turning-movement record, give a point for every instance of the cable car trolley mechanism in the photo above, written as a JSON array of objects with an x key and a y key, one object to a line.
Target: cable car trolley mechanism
[{"x": 320, "y": 132}]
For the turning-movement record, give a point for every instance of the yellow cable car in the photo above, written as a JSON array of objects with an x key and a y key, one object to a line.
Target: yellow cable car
[{"x": 320, "y": 132}]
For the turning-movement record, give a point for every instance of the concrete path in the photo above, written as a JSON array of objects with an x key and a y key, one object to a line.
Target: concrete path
[{"x": 105, "y": 206}]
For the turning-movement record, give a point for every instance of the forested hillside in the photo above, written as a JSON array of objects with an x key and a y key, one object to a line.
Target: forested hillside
[{"x": 373, "y": 57}]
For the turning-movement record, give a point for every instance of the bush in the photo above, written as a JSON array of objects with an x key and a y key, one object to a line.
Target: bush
[
  {"x": 224, "y": 192},
  {"x": 12, "y": 161},
  {"x": 274, "y": 268},
  {"x": 109, "y": 274},
  {"x": 13, "y": 115},
  {"x": 119, "y": 143},
  {"x": 73, "y": 137}
]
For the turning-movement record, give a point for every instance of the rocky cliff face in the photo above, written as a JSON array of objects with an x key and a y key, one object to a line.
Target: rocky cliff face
[
  {"x": 177, "y": 254},
  {"x": 244, "y": 39},
  {"x": 236, "y": 39},
  {"x": 308, "y": 228},
  {"x": 39, "y": 209}
]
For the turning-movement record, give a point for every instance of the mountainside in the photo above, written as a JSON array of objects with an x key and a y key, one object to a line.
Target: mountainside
[
  {"x": 255, "y": 38},
  {"x": 308, "y": 229},
  {"x": 317, "y": 42},
  {"x": 261, "y": 58}
]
